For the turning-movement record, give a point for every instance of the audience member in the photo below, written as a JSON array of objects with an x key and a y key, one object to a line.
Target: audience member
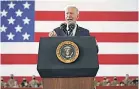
[
  {"x": 127, "y": 81},
  {"x": 3, "y": 84},
  {"x": 98, "y": 83},
  {"x": 114, "y": 82},
  {"x": 95, "y": 82},
  {"x": 135, "y": 82},
  {"x": 11, "y": 81},
  {"x": 34, "y": 82},
  {"x": 16, "y": 85},
  {"x": 108, "y": 83},
  {"x": 122, "y": 84},
  {"x": 24, "y": 83},
  {"x": 104, "y": 81}
]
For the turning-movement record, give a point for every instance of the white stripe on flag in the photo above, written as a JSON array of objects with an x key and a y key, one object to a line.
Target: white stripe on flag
[
  {"x": 88, "y": 5},
  {"x": 104, "y": 70},
  {"x": 104, "y": 48},
  {"x": 92, "y": 26}
]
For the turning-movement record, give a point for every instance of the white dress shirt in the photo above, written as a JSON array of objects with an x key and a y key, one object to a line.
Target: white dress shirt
[{"x": 73, "y": 31}]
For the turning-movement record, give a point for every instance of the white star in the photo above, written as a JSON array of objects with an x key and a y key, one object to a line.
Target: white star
[
  {"x": 26, "y": 5},
  {"x": 11, "y": 20},
  {"x": 19, "y": 13},
  {"x": 26, "y": 20},
  {"x": 10, "y": 36},
  {"x": 11, "y": 5},
  {"x": 18, "y": 28},
  {"x": 26, "y": 36},
  {"x": 3, "y": 28},
  {"x": 4, "y": 13}
]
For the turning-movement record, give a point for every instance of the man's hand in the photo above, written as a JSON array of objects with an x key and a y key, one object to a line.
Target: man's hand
[{"x": 52, "y": 34}]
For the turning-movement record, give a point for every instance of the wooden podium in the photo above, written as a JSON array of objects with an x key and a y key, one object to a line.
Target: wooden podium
[
  {"x": 68, "y": 83},
  {"x": 76, "y": 75}
]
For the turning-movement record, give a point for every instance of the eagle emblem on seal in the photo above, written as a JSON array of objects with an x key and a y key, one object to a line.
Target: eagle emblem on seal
[{"x": 67, "y": 52}]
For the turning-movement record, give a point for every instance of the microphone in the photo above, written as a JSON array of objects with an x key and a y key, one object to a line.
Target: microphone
[
  {"x": 63, "y": 27},
  {"x": 71, "y": 26}
]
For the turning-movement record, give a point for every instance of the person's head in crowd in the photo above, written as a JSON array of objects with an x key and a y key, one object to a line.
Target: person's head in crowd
[
  {"x": 115, "y": 78},
  {"x": 107, "y": 80},
  {"x": 137, "y": 79},
  {"x": 33, "y": 77},
  {"x": 108, "y": 84},
  {"x": 104, "y": 78},
  {"x": 24, "y": 79},
  {"x": 12, "y": 76},
  {"x": 1, "y": 78},
  {"x": 71, "y": 14},
  {"x": 122, "y": 84},
  {"x": 94, "y": 79},
  {"x": 24, "y": 83},
  {"x": 98, "y": 83},
  {"x": 127, "y": 76}
]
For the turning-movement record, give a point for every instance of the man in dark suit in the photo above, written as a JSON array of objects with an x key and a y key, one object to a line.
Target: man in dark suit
[
  {"x": 70, "y": 27},
  {"x": 71, "y": 16}
]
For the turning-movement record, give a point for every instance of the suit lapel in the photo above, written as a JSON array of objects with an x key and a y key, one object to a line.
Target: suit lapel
[
  {"x": 77, "y": 31},
  {"x": 63, "y": 33}
]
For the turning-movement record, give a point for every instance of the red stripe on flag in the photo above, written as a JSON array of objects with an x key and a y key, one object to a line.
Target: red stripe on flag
[
  {"x": 38, "y": 35},
  {"x": 88, "y": 16},
  {"x": 103, "y": 59},
  {"x": 102, "y": 37},
  {"x": 19, "y": 58},
  {"x": 118, "y": 59},
  {"x": 116, "y": 37},
  {"x": 28, "y": 78}
]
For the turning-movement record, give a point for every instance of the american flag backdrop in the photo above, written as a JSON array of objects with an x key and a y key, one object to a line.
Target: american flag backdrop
[{"x": 112, "y": 22}]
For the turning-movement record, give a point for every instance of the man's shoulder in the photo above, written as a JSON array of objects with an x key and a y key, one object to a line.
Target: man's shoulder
[
  {"x": 57, "y": 28},
  {"x": 82, "y": 28}
]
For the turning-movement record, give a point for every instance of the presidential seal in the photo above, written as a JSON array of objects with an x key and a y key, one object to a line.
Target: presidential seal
[{"x": 67, "y": 51}]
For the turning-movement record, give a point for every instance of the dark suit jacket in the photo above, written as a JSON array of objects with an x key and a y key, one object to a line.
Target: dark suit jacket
[{"x": 80, "y": 31}]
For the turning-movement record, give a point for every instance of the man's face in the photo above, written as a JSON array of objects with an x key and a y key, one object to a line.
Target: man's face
[{"x": 71, "y": 15}]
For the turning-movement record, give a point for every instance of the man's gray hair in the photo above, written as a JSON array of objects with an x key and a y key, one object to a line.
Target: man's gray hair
[{"x": 71, "y": 6}]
